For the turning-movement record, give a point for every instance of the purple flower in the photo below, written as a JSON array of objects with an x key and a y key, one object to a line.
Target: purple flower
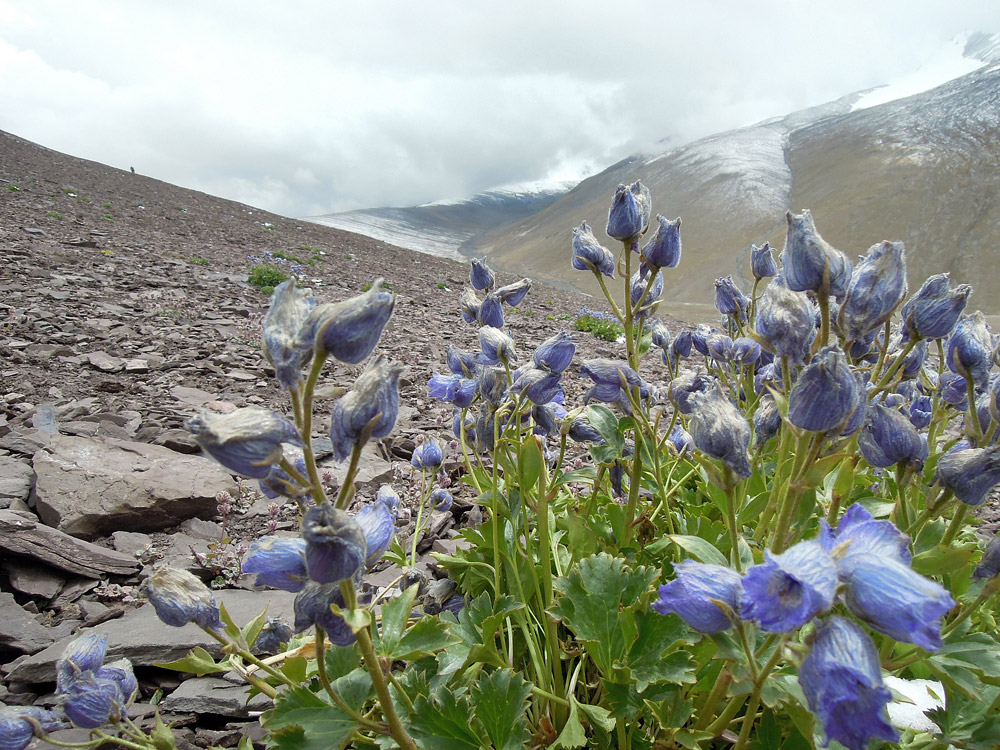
[
  {"x": 788, "y": 590},
  {"x": 272, "y": 635},
  {"x": 461, "y": 362},
  {"x": 684, "y": 388},
  {"x": 312, "y": 607},
  {"x": 497, "y": 346},
  {"x": 278, "y": 483},
  {"x": 540, "y": 386},
  {"x": 591, "y": 255},
  {"x": 378, "y": 523},
  {"x": 452, "y": 388},
  {"x": 492, "y": 384},
  {"x": 693, "y": 594},
  {"x": 16, "y": 730},
  {"x": 810, "y": 263},
  {"x": 427, "y": 455},
  {"x": 279, "y": 562},
  {"x": 481, "y": 276},
  {"x": 729, "y": 300},
  {"x": 877, "y": 287},
  {"x": 762, "y": 263},
  {"x": 629, "y": 214},
  {"x": 349, "y": 330},
  {"x": 335, "y": 544},
  {"x": 555, "y": 353},
  {"x": 971, "y": 473},
  {"x": 512, "y": 294},
  {"x": 934, "y": 310},
  {"x": 247, "y": 441},
  {"x": 785, "y": 323},
  {"x": 970, "y": 349},
  {"x": 121, "y": 673},
  {"x": 989, "y": 563},
  {"x": 369, "y": 409},
  {"x": 893, "y": 599},
  {"x": 680, "y": 439},
  {"x": 649, "y": 300},
  {"x": 179, "y": 597},
  {"x": 83, "y": 654},
  {"x": 610, "y": 376},
  {"x": 490, "y": 311},
  {"x": 289, "y": 310},
  {"x": 720, "y": 347},
  {"x": 719, "y": 430},
  {"x": 889, "y": 438},
  {"x": 745, "y": 351},
  {"x": 842, "y": 683},
  {"x": 441, "y": 499},
  {"x": 91, "y": 701},
  {"x": 388, "y": 496},
  {"x": 664, "y": 249},
  {"x": 865, "y": 535},
  {"x": 470, "y": 304},
  {"x": 766, "y": 420},
  {"x": 826, "y": 393}
]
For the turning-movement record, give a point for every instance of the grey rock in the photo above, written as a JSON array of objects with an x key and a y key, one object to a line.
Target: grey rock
[
  {"x": 192, "y": 396},
  {"x": 373, "y": 470},
  {"x": 214, "y": 695},
  {"x": 178, "y": 440},
  {"x": 20, "y": 631},
  {"x": 32, "y": 578},
  {"x": 105, "y": 362},
  {"x": 24, "y": 440},
  {"x": 144, "y": 639},
  {"x": 87, "y": 487},
  {"x": 202, "y": 529},
  {"x": 131, "y": 543},
  {"x": 16, "y": 478}
]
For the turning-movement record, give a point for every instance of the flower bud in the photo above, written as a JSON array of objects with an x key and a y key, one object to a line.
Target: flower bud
[
  {"x": 826, "y": 393},
  {"x": 335, "y": 544},
  {"x": 581, "y": 431},
  {"x": 492, "y": 384},
  {"x": 684, "y": 387},
  {"x": 699, "y": 338},
  {"x": 427, "y": 455},
  {"x": 312, "y": 607},
  {"x": 971, "y": 473},
  {"x": 481, "y": 276},
  {"x": 762, "y": 263},
  {"x": 497, "y": 346},
  {"x": 91, "y": 701},
  {"x": 591, "y": 255},
  {"x": 989, "y": 563},
  {"x": 289, "y": 310},
  {"x": 441, "y": 499},
  {"x": 920, "y": 411},
  {"x": 680, "y": 439},
  {"x": 513, "y": 294},
  {"x": 729, "y": 300},
  {"x": 490, "y": 311},
  {"x": 246, "y": 441},
  {"x": 16, "y": 730},
  {"x": 461, "y": 362},
  {"x": 279, "y": 562},
  {"x": 745, "y": 351},
  {"x": 388, "y": 496},
  {"x": 693, "y": 594},
  {"x": 889, "y": 438},
  {"x": 766, "y": 420},
  {"x": 682, "y": 343},
  {"x": 785, "y": 323},
  {"x": 934, "y": 310},
  {"x": 378, "y": 523},
  {"x": 470, "y": 304},
  {"x": 179, "y": 597},
  {"x": 970, "y": 349},
  {"x": 374, "y": 397},
  {"x": 609, "y": 377},
  {"x": 720, "y": 347},
  {"x": 719, "y": 430},
  {"x": 546, "y": 422},
  {"x": 540, "y": 386},
  {"x": 629, "y": 214},
  {"x": 278, "y": 483},
  {"x": 349, "y": 330},
  {"x": 121, "y": 673},
  {"x": 810, "y": 263},
  {"x": 664, "y": 249},
  {"x": 877, "y": 286},
  {"x": 555, "y": 353},
  {"x": 645, "y": 303},
  {"x": 83, "y": 654},
  {"x": 271, "y": 637}
]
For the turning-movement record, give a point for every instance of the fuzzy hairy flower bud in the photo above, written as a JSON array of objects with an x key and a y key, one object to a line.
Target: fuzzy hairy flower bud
[
  {"x": 888, "y": 438},
  {"x": 470, "y": 304},
  {"x": 729, "y": 300},
  {"x": 970, "y": 473},
  {"x": 374, "y": 398},
  {"x": 610, "y": 376},
  {"x": 289, "y": 310},
  {"x": 16, "y": 730},
  {"x": 785, "y": 323},
  {"x": 513, "y": 294},
  {"x": 441, "y": 499},
  {"x": 461, "y": 362},
  {"x": 247, "y": 441},
  {"x": 481, "y": 276},
  {"x": 91, "y": 701},
  {"x": 719, "y": 430},
  {"x": 540, "y": 386},
  {"x": 349, "y": 330},
  {"x": 629, "y": 214},
  {"x": 497, "y": 346},
  {"x": 272, "y": 635},
  {"x": 970, "y": 349},
  {"x": 826, "y": 393},
  {"x": 179, "y": 597},
  {"x": 810, "y": 263},
  {"x": 312, "y": 607},
  {"x": 693, "y": 593},
  {"x": 877, "y": 286},
  {"x": 649, "y": 300},
  {"x": 591, "y": 255},
  {"x": 279, "y": 562},
  {"x": 378, "y": 522},
  {"x": 766, "y": 420},
  {"x": 335, "y": 544},
  {"x": 555, "y": 353},
  {"x": 989, "y": 563},
  {"x": 83, "y": 654},
  {"x": 664, "y": 249},
  {"x": 762, "y": 263},
  {"x": 933, "y": 311},
  {"x": 427, "y": 455},
  {"x": 490, "y": 311}
]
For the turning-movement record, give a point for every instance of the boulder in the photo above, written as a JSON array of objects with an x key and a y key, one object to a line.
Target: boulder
[{"x": 88, "y": 488}]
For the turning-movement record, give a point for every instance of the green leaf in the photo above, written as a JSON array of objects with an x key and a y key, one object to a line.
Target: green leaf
[
  {"x": 395, "y": 614},
  {"x": 700, "y": 549},
  {"x": 424, "y": 637},
  {"x": 232, "y": 629},
  {"x": 500, "y": 700},
  {"x": 302, "y": 720},
  {"x": 940, "y": 559},
  {"x": 529, "y": 464},
  {"x": 198, "y": 662},
  {"x": 572, "y": 734},
  {"x": 251, "y": 630},
  {"x": 593, "y": 594},
  {"x": 646, "y": 659},
  {"x": 603, "y": 420},
  {"x": 596, "y": 715},
  {"x": 341, "y": 660},
  {"x": 442, "y": 722}
]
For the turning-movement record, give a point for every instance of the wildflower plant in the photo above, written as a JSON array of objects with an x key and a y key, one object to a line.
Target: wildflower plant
[{"x": 738, "y": 548}]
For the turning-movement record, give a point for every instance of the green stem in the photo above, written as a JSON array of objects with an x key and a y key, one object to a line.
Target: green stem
[
  {"x": 633, "y": 492},
  {"x": 316, "y": 486},
  {"x": 956, "y": 524},
  {"x": 324, "y": 680},
  {"x": 734, "y": 536},
  {"x": 717, "y": 693},
  {"x": 396, "y": 728},
  {"x": 754, "y": 702},
  {"x": 347, "y": 488}
]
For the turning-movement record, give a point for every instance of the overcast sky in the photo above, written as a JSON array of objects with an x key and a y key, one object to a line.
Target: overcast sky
[{"x": 316, "y": 106}]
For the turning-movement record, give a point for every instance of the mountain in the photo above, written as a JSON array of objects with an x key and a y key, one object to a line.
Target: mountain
[
  {"x": 922, "y": 169},
  {"x": 445, "y": 228}
]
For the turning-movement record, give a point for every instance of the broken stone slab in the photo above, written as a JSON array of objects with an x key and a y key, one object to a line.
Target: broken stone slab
[
  {"x": 192, "y": 396},
  {"x": 19, "y": 631},
  {"x": 373, "y": 470},
  {"x": 32, "y": 578},
  {"x": 88, "y": 488},
  {"x": 105, "y": 362},
  {"x": 145, "y": 640},
  {"x": 16, "y": 478},
  {"x": 22, "y": 534},
  {"x": 214, "y": 695}
]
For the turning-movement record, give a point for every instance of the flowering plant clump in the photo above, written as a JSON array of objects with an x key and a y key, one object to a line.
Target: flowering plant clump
[{"x": 753, "y": 551}]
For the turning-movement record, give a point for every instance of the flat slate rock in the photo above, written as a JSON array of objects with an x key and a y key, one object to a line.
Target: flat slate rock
[{"x": 20, "y": 631}]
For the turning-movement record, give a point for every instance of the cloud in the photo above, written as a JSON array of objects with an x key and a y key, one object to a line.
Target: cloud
[{"x": 314, "y": 107}]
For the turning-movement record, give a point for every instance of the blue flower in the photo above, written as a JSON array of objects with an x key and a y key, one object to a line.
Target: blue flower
[
  {"x": 312, "y": 607},
  {"x": 591, "y": 255},
  {"x": 790, "y": 589},
  {"x": 121, "y": 673},
  {"x": 680, "y": 439},
  {"x": 971, "y": 473},
  {"x": 512, "y": 294},
  {"x": 637, "y": 293},
  {"x": 179, "y": 597},
  {"x": 684, "y": 387},
  {"x": 826, "y": 393},
  {"x": 492, "y": 384},
  {"x": 889, "y": 438},
  {"x": 762, "y": 263},
  {"x": 877, "y": 286},
  {"x": 970, "y": 349},
  {"x": 865, "y": 535},
  {"x": 842, "y": 682},
  {"x": 785, "y": 324},
  {"x": 369, "y": 409},
  {"x": 693, "y": 593},
  {"x": 91, "y": 701},
  {"x": 335, "y": 544},
  {"x": 555, "y": 353},
  {"x": 461, "y": 362},
  {"x": 719, "y": 430},
  {"x": 920, "y": 410},
  {"x": 766, "y": 420},
  {"x": 745, "y": 351},
  {"x": 272, "y": 635},
  {"x": 388, "y": 496},
  {"x": 893, "y": 599},
  {"x": 83, "y": 654},
  {"x": 247, "y": 441},
  {"x": 349, "y": 330},
  {"x": 278, "y": 483},
  {"x": 664, "y": 249},
  {"x": 729, "y": 300},
  {"x": 610, "y": 376},
  {"x": 289, "y": 310},
  {"x": 810, "y": 263},
  {"x": 989, "y": 563},
  {"x": 481, "y": 276},
  {"x": 497, "y": 346},
  {"x": 378, "y": 523},
  {"x": 279, "y": 562},
  {"x": 16, "y": 730},
  {"x": 441, "y": 499},
  {"x": 934, "y": 310},
  {"x": 490, "y": 311},
  {"x": 583, "y": 432},
  {"x": 469, "y": 304},
  {"x": 540, "y": 386},
  {"x": 629, "y": 214},
  {"x": 427, "y": 455}
]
